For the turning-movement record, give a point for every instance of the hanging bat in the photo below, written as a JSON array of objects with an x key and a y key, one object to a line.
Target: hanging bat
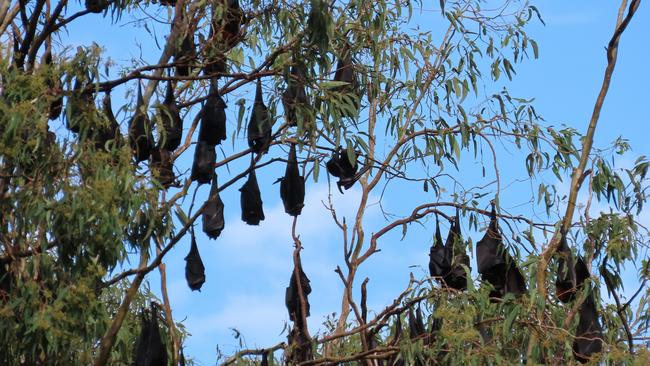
[
  {"x": 112, "y": 130},
  {"x": 490, "y": 257},
  {"x": 140, "y": 135},
  {"x": 214, "y": 59},
  {"x": 213, "y": 221},
  {"x": 213, "y": 118},
  {"x": 5, "y": 282},
  {"x": 571, "y": 273},
  {"x": 292, "y": 298},
  {"x": 172, "y": 124},
  {"x": 371, "y": 341},
  {"x": 56, "y": 106},
  {"x": 150, "y": 350},
  {"x": 589, "y": 333},
  {"x": 515, "y": 281},
  {"x": 109, "y": 129},
  {"x": 295, "y": 95},
  {"x": 300, "y": 345},
  {"x": 185, "y": 53},
  {"x": 439, "y": 257},
  {"x": 265, "y": 359},
  {"x": 194, "y": 269},
  {"x": 416, "y": 324},
  {"x": 455, "y": 251},
  {"x": 162, "y": 167},
  {"x": 341, "y": 167},
  {"x": 495, "y": 265},
  {"x": 79, "y": 107},
  {"x": 565, "y": 282},
  {"x": 226, "y": 24},
  {"x": 96, "y": 6},
  {"x": 203, "y": 165},
  {"x": 252, "y": 211},
  {"x": 345, "y": 73},
  {"x": 292, "y": 186},
  {"x": 234, "y": 19},
  {"x": 396, "y": 360},
  {"x": 259, "y": 126},
  {"x": 224, "y": 35},
  {"x": 298, "y": 337}
]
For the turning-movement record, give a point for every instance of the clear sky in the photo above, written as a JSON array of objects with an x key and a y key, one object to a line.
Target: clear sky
[{"x": 248, "y": 267}]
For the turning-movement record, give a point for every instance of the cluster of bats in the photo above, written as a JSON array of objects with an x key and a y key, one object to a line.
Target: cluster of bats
[{"x": 448, "y": 264}]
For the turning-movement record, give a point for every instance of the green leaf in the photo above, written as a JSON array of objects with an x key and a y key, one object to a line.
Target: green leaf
[
  {"x": 182, "y": 217},
  {"x": 507, "y": 324}
]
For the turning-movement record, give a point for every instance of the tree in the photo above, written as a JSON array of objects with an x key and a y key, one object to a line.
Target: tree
[{"x": 356, "y": 88}]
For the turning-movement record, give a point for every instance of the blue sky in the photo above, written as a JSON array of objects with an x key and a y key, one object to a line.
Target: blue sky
[{"x": 248, "y": 267}]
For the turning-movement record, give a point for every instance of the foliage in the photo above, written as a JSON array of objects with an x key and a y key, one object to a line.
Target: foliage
[{"x": 407, "y": 104}]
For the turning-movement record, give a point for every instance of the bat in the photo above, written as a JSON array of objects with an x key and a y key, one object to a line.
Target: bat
[
  {"x": 162, "y": 166},
  {"x": 495, "y": 265},
  {"x": 109, "y": 129},
  {"x": 252, "y": 211},
  {"x": 79, "y": 106},
  {"x": 416, "y": 324},
  {"x": 456, "y": 256},
  {"x": 265, "y": 359},
  {"x": 224, "y": 35},
  {"x": 214, "y": 59},
  {"x": 233, "y": 21},
  {"x": 292, "y": 186},
  {"x": 185, "y": 53},
  {"x": 515, "y": 281},
  {"x": 571, "y": 273},
  {"x": 150, "y": 350},
  {"x": 112, "y": 131},
  {"x": 295, "y": 95},
  {"x": 371, "y": 341},
  {"x": 96, "y": 6},
  {"x": 227, "y": 26},
  {"x": 396, "y": 360},
  {"x": 416, "y": 330},
  {"x": 172, "y": 124},
  {"x": 259, "y": 126},
  {"x": 439, "y": 265},
  {"x": 56, "y": 106},
  {"x": 565, "y": 282},
  {"x": 345, "y": 73},
  {"x": 140, "y": 136},
  {"x": 300, "y": 345},
  {"x": 213, "y": 221},
  {"x": 194, "y": 269},
  {"x": 341, "y": 167},
  {"x": 5, "y": 282},
  {"x": 589, "y": 333},
  {"x": 292, "y": 298},
  {"x": 298, "y": 339},
  {"x": 213, "y": 119},
  {"x": 203, "y": 165}
]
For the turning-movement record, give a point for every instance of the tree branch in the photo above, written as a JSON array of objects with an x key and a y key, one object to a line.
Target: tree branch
[{"x": 587, "y": 142}]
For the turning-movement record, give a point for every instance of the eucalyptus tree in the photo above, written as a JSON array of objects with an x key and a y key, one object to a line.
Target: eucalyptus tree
[{"x": 389, "y": 96}]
